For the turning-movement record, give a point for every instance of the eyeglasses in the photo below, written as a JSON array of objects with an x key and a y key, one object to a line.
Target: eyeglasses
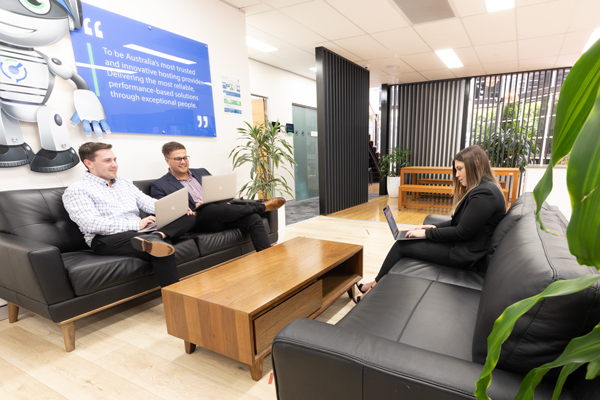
[{"x": 179, "y": 159}]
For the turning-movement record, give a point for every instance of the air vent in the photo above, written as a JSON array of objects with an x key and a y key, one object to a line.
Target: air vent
[{"x": 422, "y": 11}]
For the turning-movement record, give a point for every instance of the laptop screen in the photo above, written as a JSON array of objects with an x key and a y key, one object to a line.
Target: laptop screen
[{"x": 390, "y": 219}]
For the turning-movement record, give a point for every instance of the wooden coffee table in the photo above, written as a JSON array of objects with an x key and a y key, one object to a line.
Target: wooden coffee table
[{"x": 236, "y": 309}]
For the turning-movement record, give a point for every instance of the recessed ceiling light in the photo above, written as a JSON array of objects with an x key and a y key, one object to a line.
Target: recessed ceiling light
[
  {"x": 313, "y": 69},
  {"x": 258, "y": 45},
  {"x": 595, "y": 36},
  {"x": 449, "y": 58},
  {"x": 497, "y": 5}
]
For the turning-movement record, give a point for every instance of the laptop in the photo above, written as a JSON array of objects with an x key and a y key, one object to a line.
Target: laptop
[
  {"x": 398, "y": 235},
  {"x": 217, "y": 188},
  {"x": 168, "y": 209}
]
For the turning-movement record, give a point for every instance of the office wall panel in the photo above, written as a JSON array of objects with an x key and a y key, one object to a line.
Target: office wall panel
[{"x": 343, "y": 122}]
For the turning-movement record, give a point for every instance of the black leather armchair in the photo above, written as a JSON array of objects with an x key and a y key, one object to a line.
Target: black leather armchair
[
  {"x": 48, "y": 269},
  {"x": 421, "y": 333}
]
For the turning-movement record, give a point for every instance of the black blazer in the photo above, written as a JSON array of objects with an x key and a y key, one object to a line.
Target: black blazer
[
  {"x": 472, "y": 226},
  {"x": 168, "y": 184}
]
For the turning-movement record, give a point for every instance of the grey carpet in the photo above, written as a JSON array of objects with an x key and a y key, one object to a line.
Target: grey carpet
[{"x": 296, "y": 211}]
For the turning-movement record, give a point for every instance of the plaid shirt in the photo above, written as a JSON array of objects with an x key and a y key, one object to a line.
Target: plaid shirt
[
  {"x": 100, "y": 209},
  {"x": 194, "y": 187}
]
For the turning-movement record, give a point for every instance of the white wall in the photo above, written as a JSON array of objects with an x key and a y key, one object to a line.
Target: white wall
[
  {"x": 560, "y": 195},
  {"x": 282, "y": 88},
  {"x": 217, "y": 24}
]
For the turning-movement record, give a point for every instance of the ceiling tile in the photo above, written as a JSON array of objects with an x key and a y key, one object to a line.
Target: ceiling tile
[
  {"x": 338, "y": 50},
  {"x": 471, "y": 70},
  {"x": 283, "y": 27},
  {"x": 283, "y": 3},
  {"x": 410, "y": 77},
  {"x": 242, "y": 3},
  {"x": 257, "y": 8},
  {"x": 384, "y": 63},
  {"x": 424, "y": 61},
  {"x": 501, "y": 67},
  {"x": 438, "y": 74},
  {"x": 567, "y": 60},
  {"x": 586, "y": 15},
  {"x": 521, "y": 3},
  {"x": 537, "y": 63},
  {"x": 402, "y": 41},
  {"x": 266, "y": 38},
  {"x": 496, "y": 53},
  {"x": 371, "y": 16},
  {"x": 446, "y": 34},
  {"x": 544, "y": 19},
  {"x": 365, "y": 47},
  {"x": 467, "y": 56},
  {"x": 297, "y": 56},
  {"x": 469, "y": 7},
  {"x": 575, "y": 42},
  {"x": 496, "y": 27},
  {"x": 546, "y": 46},
  {"x": 323, "y": 19}
]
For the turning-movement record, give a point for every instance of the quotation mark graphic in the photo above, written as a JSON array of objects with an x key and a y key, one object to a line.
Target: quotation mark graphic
[{"x": 200, "y": 119}]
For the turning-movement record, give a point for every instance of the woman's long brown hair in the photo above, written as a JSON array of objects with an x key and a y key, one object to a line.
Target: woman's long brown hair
[{"x": 477, "y": 168}]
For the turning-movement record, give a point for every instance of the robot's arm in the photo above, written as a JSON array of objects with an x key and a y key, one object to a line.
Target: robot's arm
[{"x": 66, "y": 72}]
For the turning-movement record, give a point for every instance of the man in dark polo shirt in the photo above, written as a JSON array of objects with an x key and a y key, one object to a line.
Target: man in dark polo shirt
[{"x": 212, "y": 217}]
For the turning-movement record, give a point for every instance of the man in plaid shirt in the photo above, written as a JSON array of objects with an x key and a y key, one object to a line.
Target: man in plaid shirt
[{"x": 106, "y": 209}]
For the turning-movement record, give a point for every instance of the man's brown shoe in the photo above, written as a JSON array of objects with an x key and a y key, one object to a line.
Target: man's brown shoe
[
  {"x": 274, "y": 203},
  {"x": 152, "y": 245}
]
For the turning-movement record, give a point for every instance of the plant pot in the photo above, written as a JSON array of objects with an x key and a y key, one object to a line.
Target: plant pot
[{"x": 393, "y": 182}]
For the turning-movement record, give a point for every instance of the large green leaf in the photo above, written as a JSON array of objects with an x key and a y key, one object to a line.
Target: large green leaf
[
  {"x": 506, "y": 322},
  {"x": 583, "y": 179},
  {"x": 578, "y": 352},
  {"x": 576, "y": 100}
]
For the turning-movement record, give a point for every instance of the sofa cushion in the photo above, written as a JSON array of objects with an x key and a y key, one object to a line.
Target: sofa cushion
[
  {"x": 40, "y": 215},
  {"x": 90, "y": 273},
  {"x": 419, "y": 312},
  {"x": 185, "y": 250},
  {"x": 524, "y": 264},
  {"x": 438, "y": 273}
]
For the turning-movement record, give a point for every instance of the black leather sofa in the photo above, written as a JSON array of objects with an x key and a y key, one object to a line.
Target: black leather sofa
[
  {"x": 47, "y": 268},
  {"x": 421, "y": 333}
]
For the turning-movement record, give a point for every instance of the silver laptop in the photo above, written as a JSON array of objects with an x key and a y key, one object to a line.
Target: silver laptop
[
  {"x": 218, "y": 188},
  {"x": 168, "y": 209},
  {"x": 398, "y": 235}
]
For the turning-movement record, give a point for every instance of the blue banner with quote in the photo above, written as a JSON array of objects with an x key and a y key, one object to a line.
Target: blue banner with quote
[{"x": 149, "y": 80}]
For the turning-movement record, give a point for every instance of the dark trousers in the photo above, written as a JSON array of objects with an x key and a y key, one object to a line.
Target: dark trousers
[
  {"x": 216, "y": 217},
  {"x": 119, "y": 244},
  {"x": 425, "y": 250}
]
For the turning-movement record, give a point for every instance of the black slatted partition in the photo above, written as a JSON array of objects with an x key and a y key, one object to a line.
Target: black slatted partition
[{"x": 343, "y": 122}]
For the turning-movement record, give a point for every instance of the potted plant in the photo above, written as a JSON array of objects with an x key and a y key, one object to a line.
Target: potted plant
[
  {"x": 390, "y": 167},
  {"x": 266, "y": 151},
  {"x": 576, "y": 132}
]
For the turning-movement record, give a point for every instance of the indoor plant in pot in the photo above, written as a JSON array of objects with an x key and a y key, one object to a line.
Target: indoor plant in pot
[
  {"x": 265, "y": 150},
  {"x": 390, "y": 167}
]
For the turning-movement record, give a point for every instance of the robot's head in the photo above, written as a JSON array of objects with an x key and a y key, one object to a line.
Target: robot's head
[{"x": 31, "y": 23}]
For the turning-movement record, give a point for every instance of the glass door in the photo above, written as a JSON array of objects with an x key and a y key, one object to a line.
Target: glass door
[{"x": 305, "y": 152}]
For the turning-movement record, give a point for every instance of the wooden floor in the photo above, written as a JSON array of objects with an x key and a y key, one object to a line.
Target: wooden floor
[{"x": 126, "y": 353}]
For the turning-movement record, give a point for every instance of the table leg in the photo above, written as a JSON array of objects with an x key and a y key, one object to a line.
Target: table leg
[
  {"x": 189, "y": 347},
  {"x": 256, "y": 369}
]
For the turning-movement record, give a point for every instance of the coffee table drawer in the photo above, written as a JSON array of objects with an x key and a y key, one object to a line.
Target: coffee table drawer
[{"x": 301, "y": 305}]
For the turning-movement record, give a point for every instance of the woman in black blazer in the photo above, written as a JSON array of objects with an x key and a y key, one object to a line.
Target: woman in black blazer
[{"x": 463, "y": 241}]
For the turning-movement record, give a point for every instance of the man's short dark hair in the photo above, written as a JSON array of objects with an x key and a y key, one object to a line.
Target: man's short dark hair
[
  {"x": 171, "y": 146},
  {"x": 87, "y": 151}
]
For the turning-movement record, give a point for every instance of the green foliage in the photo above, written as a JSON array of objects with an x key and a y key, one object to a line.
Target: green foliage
[
  {"x": 576, "y": 131},
  {"x": 265, "y": 151},
  {"x": 390, "y": 164},
  {"x": 510, "y": 148}
]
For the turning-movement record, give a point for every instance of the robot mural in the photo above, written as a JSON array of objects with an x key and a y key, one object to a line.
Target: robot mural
[{"x": 27, "y": 79}]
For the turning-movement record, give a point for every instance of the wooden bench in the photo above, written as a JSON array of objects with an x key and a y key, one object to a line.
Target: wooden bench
[
  {"x": 404, "y": 189},
  {"x": 425, "y": 181}
]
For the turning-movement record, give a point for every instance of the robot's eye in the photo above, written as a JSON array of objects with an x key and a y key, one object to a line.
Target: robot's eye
[{"x": 37, "y": 6}]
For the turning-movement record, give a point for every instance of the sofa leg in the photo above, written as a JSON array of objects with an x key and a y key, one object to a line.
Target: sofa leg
[
  {"x": 68, "y": 330},
  {"x": 13, "y": 312}
]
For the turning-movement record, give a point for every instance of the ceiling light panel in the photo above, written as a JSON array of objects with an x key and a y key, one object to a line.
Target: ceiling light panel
[
  {"x": 258, "y": 45},
  {"x": 497, "y": 5},
  {"x": 449, "y": 58}
]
